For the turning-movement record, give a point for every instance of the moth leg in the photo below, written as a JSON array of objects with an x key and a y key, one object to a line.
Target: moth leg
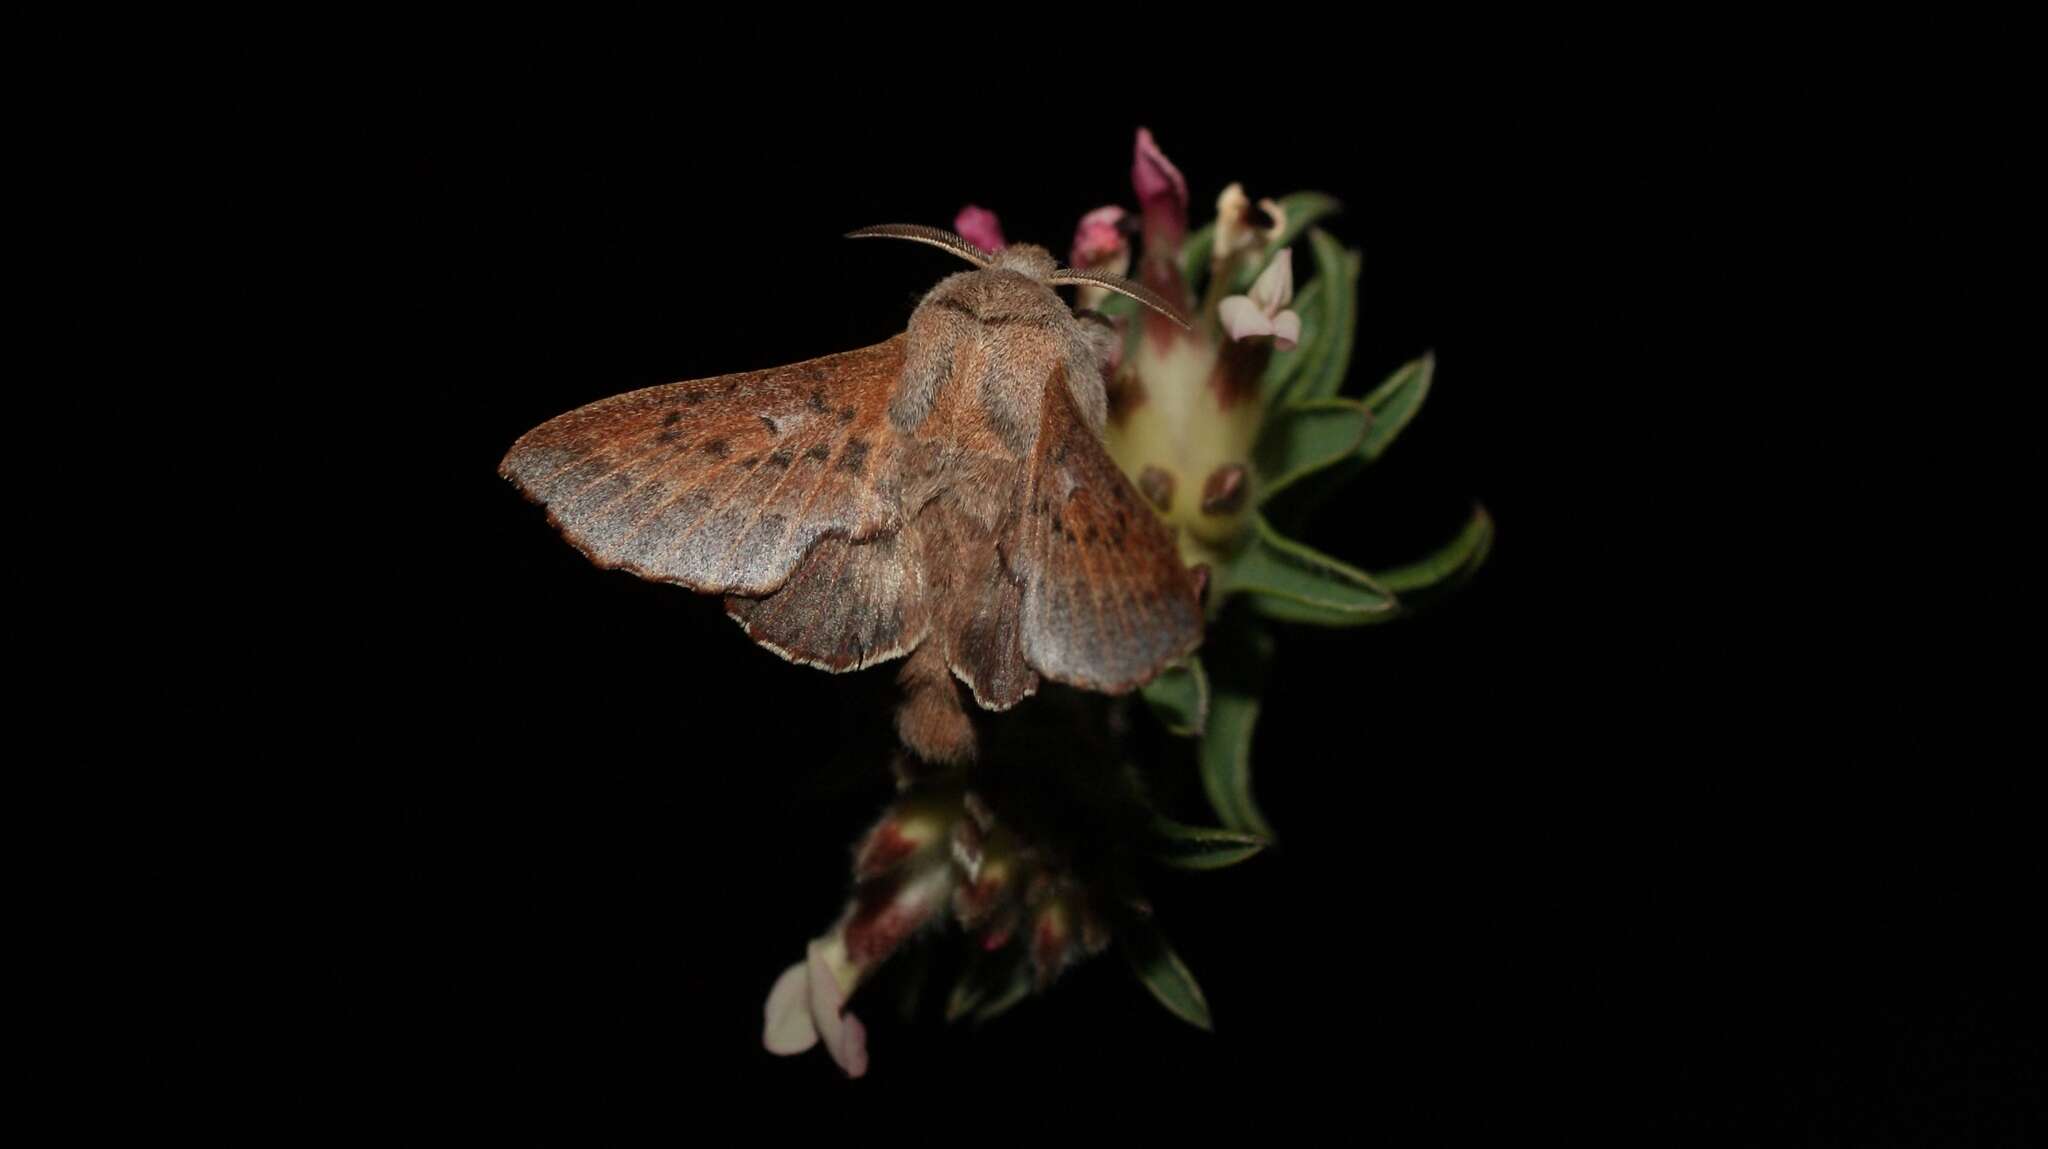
[{"x": 930, "y": 720}]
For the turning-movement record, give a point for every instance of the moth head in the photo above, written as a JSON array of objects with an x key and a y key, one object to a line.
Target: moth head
[{"x": 1027, "y": 259}]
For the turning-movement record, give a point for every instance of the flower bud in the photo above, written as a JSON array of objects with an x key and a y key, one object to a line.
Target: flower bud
[{"x": 980, "y": 227}]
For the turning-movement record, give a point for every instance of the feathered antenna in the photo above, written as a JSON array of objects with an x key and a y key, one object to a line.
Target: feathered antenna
[
  {"x": 918, "y": 233},
  {"x": 1122, "y": 286}
]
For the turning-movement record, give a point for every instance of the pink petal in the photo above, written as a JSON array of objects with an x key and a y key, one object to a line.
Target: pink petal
[
  {"x": 787, "y": 1026},
  {"x": 1154, "y": 176},
  {"x": 1275, "y": 287},
  {"x": 1163, "y": 201},
  {"x": 851, "y": 1050},
  {"x": 846, "y": 1039},
  {"x": 1286, "y": 330},
  {"x": 1098, "y": 238},
  {"x": 1242, "y": 318},
  {"x": 980, "y": 227}
]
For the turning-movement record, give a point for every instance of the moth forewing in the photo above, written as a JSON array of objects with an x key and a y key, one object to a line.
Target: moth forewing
[{"x": 946, "y": 488}]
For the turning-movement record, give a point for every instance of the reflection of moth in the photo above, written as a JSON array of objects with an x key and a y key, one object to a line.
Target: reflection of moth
[{"x": 943, "y": 494}]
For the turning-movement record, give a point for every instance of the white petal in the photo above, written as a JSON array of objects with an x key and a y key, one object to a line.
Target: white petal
[
  {"x": 1286, "y": 330},
  {"x": 1275, "y": 287},
  {"x": 851, "y": 1050},
  {"x": 1233, "y": 231},
  {"x": 787, "y": 1028},
  {"x": 844, "y": 1036},
  {"x": 1242, "y": 318}
]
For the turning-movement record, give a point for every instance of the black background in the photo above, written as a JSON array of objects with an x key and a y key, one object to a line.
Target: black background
[{"x": 1584, "y": 852}]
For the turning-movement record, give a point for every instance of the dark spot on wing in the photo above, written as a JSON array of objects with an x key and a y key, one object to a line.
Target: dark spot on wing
[
  {"x": 854, "y": 459},
  {"x": 717, "y": 448},
  {"x": 672, "y": 418},
  {"x": 770, "y": 424},
  {"x": 846, "y": 414},
  {"x": 817, "y": 400},
  {"x": 694, "y": 397},
  {"x": 818, "y": 452},
  {"x": 782, "y": 458}
]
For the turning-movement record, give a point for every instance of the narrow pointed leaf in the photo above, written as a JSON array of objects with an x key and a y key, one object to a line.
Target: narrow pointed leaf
[
  {"x": 1394, "y": 404},
  {"x": 1449, "y": 563},
  {"x": 1180, "y": 698},
  {"x": 1162, "y": 972},
  {"x": 1338, "y": 269},
  {"x": 912, "y": 981},
  {"x": 1288, "y": 581},
  {"x": 1202, "y": 847},
  {"x": 989, "y": 985},
  {"x": 1194, "y": 255},
  {"x": 1303, "y": 438},
  {"x": 1226, "y": 758},
  {"x": 1006, "y": 997}
]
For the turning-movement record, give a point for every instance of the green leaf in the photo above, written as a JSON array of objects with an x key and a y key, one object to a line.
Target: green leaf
[
  {"x": 1338, "y": 270},
  {"x": 1007, "y": 997},
  {"x": 1180, "y": 697},
  {"x": 1117, "y": 306},
  {"x": 1394, "y": 404},
  {"x": 1194, "y": 255},
  {"x": 1286, "y": 366},
  {"x": 1165, "y": 974},
  {"x": 1303, "y": 209},
  {"x": 1239, "y": 650},
  {"x": 1302, "y": 438},
  {"x": 1202, "y": 847},
  {"x": 1448, "y": 564},
  {"x": 1226, "y": 758},
  {"x": 990, "y": 986},
  {"x": 1294, "y": 583}
]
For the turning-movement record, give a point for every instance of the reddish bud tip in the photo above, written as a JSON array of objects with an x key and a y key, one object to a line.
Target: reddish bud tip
[
  {"x": 1225, "y": 489},
  {"x": 1157, "y": 485},
  {"x": 980, "y": 227}
]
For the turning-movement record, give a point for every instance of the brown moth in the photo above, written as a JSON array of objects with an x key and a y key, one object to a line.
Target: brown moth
[{"x": 942, "y": 494}]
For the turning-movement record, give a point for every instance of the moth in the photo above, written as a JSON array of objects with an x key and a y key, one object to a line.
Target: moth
[{"x": 943, "y": 494}]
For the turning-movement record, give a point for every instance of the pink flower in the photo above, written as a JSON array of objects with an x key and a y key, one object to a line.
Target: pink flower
[
  {"x": 1264, "y": 311},
  {"x": 1099, "y": 243},
  {"x": 1155, "y": 178},
  {"x": 980, "y": 227},
  {"x": 1163, "y": 209}
]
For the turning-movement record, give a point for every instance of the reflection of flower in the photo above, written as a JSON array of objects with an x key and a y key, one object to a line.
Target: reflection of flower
[
  {"x": 905, "y": 879},
  {"x": 937, "y": 848},
  {"x": 1263, "y": 312}
]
